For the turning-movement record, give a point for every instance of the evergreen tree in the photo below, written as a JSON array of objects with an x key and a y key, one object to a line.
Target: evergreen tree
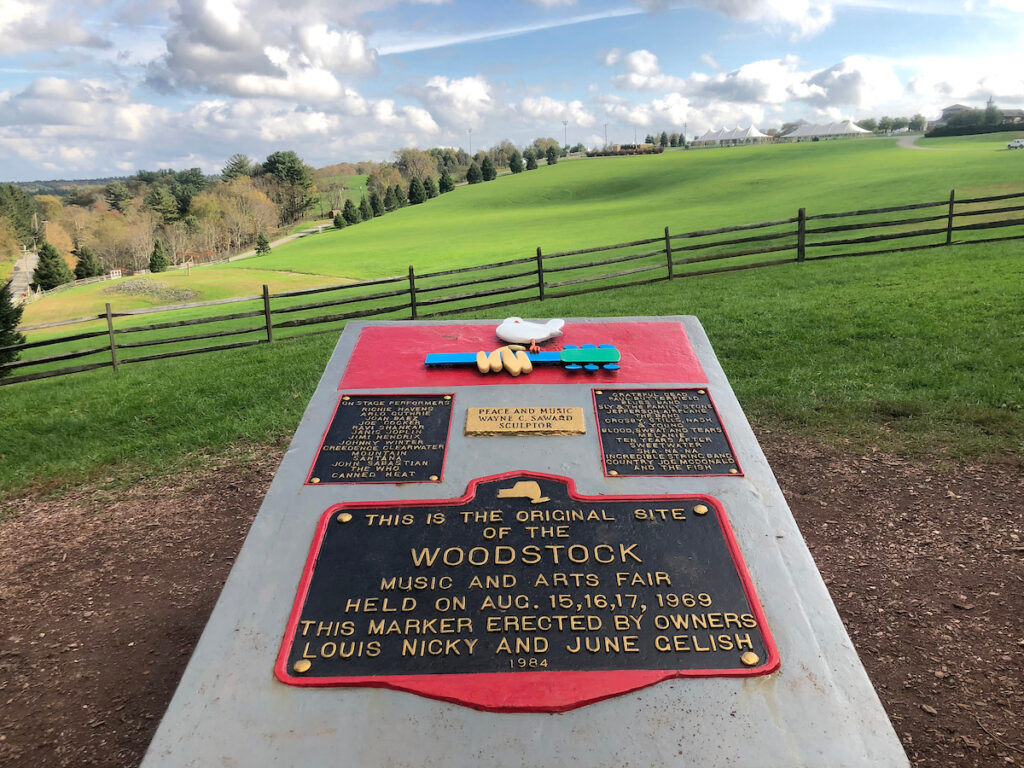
[
  {"x": 350, "y": 213},
  {"x": 400, "y": 199},
  {"x": 376, "y": 204},
  {"x": 117, "y": 195},
  {"x": 473, "y": 175},
  {"x": 157, "y": 260},
  {"x": 447, "y": 183},
  {"x": 51, "y": 270},
  {"x": 339, "y": 221},
  {"x": 430, "y": 187},
  {"x": 365, "y": 211},
  {"x": 648, "y": 139},
  {"x": 673, "y": 139},
  {"x": 515, "y": 162},
  {"x": 87, "y": 265},
  {"x": 262, "y": 244},
  {"x": 390, "y": 203},
  {"x": 417, "y": 194},
  {"x": 663, "y": 141},
  {"x": 551, "y": 155},
  {"x": 488, "y": 170},
  {"x": 10, "y": 317},
  {"x": 531, "y": 161},
  {"x": 238, "y": 165}
]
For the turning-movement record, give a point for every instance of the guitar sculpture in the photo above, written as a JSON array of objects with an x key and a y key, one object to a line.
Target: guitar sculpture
[{"x": 516, "y": 360}]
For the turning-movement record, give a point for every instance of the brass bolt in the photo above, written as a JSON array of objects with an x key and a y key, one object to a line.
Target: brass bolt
[
  {"x": 344, "y": 517},
  {"x": 433, "y": 478},
  {"x": 700, "y": 509},
  {"x": 734, "y": 471},
  {"x": 701, "y": 392},
  {"x": 303, "y": 665},
  {"x": 315, "y": 480},
  {"x": 345, "y": 397},
  {"x": 750, "y": 658},
  {"x": 598, "y": 392},
  {"x": 447, "y": 397},
  {"x": 612, "y": 472}
]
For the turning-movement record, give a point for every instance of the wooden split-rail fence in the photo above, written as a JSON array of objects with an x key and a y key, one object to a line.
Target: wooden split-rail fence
[{"x": 118, "y": 338}]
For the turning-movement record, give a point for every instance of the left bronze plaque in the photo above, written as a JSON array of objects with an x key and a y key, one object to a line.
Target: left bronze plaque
[{"x": 384, "y": 439}]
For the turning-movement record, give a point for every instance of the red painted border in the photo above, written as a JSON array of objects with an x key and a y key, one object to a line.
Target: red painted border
[
  {"x": 323, "y": 439},
  {"x": 707, "y": 389},
  {"x": 523, "y": 691}
]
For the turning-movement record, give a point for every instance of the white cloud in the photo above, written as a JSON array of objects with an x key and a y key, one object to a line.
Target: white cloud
[
  {"x": 804, "y": 17},
  {"x": 944, "y": 80},
  {"x": 544, "y": 109},
  {"x": 642, "y": 73},
  {"x": 458, "y": 102},
  {"x": 710, "y": 61},
  {"x": 32, "y": 25}
]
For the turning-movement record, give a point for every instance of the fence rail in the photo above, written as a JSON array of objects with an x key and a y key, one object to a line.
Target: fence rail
[{"x": 289, "y": 314}]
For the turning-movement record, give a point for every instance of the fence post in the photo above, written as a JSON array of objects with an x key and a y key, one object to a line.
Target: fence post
[
  {"x": 110, "y": 333},
  {"x": 266, "y": 313},
  {"x": 412, "y": 292},
  {"x": 540, "y": 273},
  {"x": 668, "y": 254},
  {"x": 801, "y": 234},
  {"x": 949, "y": 218}
]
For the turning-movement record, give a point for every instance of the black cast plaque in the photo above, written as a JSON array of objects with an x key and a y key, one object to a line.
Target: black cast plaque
[
  {"x": 662, "y": 432},
  {"x": 524, "y": 575},
  {"x": 384, "y": 439}
]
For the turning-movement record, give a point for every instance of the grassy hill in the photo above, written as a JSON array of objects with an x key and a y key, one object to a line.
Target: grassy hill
[
  {"x": 607, "y": 200},
  {"x": 917, "y": 353}
]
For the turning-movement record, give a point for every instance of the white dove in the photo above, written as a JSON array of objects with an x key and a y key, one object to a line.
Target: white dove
[{"x": 515, "y": 330}]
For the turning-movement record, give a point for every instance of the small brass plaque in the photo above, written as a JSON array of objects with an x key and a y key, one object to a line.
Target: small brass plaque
[{"x": 525, "y": 420}]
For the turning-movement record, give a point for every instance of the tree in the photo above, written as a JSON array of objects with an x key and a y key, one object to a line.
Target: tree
[
  {"x": 19, "y": 208},
  {"x": 162, "y": 203},
  {"x": 917, "y": 122},
  {"x": 447, "y": 183},
  {"x": 157, "y": 260},
  {"x": 899, "y": 122},
  {"x": 885, "y": 124},
  {"x": 390, "y": 203},
  {"x": 10, "y": 317},
  {"x": 473, "y": 175},
  {"x": 400, "y": 199},
  {"x": 649, "y": 139},
  {"x": 663, "y": 141},
  {"x": 117, "y": 195},
  {"x": 376, "y": 204},
  {"x": 296, "y": 180},
  {"x": 551, "y": 155},
  {"x": 238, "y": 165},
  {"x": 262, "y": 244},
  {"x": 87, "y": 265},
  {"x": 417, "y": 194},
  {"x": 531, "y": 160},
  {"x": 339, "y": 221},
  {"x": 488, "y": 170},
  {"x": 414, "y": 163},
  {"x": 365, "y": 211},
  {"x": 993, "y": 114},
  {"x": 515, "y": 163},
  {"x": 868, "y": 124},
  {"x": 350, "y": 213},
  {"x": 430, "y": 187},
  {"x": 51, "y": 270}
]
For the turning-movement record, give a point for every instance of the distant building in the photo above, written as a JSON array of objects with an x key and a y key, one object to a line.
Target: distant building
[
  {"x": 1013, "y": 117},
  {"x": 948, "y": 112}
]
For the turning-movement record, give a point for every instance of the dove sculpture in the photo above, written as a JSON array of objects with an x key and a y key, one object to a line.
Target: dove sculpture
[{"x": 515, "y": 330}]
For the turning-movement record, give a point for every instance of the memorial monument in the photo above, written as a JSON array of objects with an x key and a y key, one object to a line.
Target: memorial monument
[{"x": 534, "y": 553}]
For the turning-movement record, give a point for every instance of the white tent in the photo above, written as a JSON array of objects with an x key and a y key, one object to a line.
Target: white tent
[
  {"x": 826, "y": 130},
  {"x": 737, "y": 135}
]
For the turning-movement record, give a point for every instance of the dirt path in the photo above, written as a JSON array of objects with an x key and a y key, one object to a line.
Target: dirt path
[
  {"x": 103, "y": 599},
  {"x": 910, "y": 142},
  {"x": 22, "y": 275},
  {"x": 286, "y": 239}
]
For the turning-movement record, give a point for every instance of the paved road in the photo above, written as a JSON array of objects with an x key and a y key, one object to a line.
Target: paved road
[
  {"x": 22, "y": 275},
  {"x": 326, "y": 224},
  {"x": 909, "y": 142}
]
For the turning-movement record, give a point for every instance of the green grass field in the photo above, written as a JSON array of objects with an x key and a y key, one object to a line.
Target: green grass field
[
  {"x": 917, "y": 353},
  {"x": 982, "y": 142},
  {"x": 608, "y": 200}
]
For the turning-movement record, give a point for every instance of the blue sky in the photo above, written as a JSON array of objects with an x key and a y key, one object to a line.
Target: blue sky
[{"x": 104, "y": 88}]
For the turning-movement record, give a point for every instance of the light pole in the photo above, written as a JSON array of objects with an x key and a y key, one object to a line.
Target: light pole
[
  {"x": 565, "y": 127},
  {"x": 470, "y": 132},
  {"x": 606, "y": 134}
]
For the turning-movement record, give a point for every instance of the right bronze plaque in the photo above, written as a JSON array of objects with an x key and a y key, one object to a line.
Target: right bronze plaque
[{"x": 662, "y": 432}]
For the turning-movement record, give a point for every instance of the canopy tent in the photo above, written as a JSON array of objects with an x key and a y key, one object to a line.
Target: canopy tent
[
  {"x": 826, "y": 130},
  {"x": 738, "y": 135}
]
